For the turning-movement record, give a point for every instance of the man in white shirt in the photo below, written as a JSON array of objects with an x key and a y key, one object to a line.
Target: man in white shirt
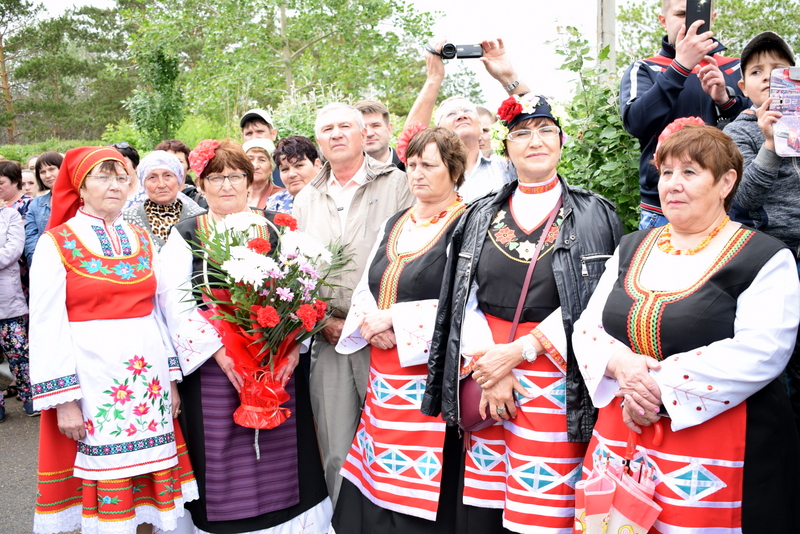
[
  {"x": 345, "y": 204},
  {"x": 483, "y": 175}
]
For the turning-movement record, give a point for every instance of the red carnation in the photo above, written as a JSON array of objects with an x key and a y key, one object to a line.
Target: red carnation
[
  {"x": 678, "y": 125},
  {"x": 408, "y": 133},
  {"x": 673, "y": 127},
  {"x": 260, "y": 245},
  {"x": 202, "y": 154},
  {"x": 282, "y": 219},
  {"x": 509, "y": 109},
  {"x": 308, "y": 315},
  {"x": 267, "y": 316},
  {"x": 321, "y": 307}
]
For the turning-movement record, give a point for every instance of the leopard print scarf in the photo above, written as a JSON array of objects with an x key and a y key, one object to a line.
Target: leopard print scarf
[{"x": 162, "y": 218}]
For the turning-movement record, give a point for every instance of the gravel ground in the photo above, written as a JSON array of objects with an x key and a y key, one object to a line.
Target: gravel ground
[{"x": 19, "y": 443}]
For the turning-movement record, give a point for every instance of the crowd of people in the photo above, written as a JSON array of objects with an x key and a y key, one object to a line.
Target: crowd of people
[{"x": 493, "y": 338}]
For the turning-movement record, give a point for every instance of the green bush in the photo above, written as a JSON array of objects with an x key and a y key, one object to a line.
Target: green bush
[
  {"x": 22, "y": 152},
  {"x": 599, "y": 155},
  {"x": 194, "y": 129}
]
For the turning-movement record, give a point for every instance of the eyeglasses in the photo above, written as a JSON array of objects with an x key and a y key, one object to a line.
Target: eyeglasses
[
  {"x": 219, "y": 179},
  {"x": 462, "y": 110},
  {"x": 123, "y": 144},
  {"x": 122, "y": 179},
  {"x": 526, "y": 135}
]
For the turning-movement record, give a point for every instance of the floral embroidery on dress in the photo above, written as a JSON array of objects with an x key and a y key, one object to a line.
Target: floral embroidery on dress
[
  {"x": 149, "y": 402},
  {"x": 105, "y": 242},
  {"x": 506, "y": 236},
  {"x": 123, "y": 269},
  {"x": 71, "y": 244},
  {"x": 101, "y": 501},
  {"x": 69, "y": 381},
  {"x": 123, "y": 239}
]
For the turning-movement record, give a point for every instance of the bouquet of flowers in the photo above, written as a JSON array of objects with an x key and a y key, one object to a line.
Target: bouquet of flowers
[{"x": 264, "y": 301}]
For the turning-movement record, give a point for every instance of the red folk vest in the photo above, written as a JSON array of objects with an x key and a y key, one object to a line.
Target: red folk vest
[{"x": 106, "y": 287}]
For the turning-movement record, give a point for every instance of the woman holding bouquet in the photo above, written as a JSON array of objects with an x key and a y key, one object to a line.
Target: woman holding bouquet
[
  {"x": 110, "y": 457},
  {"x": 270, "y": 484},
  {"x": 401, "y": 461}
]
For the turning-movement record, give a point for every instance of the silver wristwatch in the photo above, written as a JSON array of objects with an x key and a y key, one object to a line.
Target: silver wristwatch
[{"x": 528, "y": 351}]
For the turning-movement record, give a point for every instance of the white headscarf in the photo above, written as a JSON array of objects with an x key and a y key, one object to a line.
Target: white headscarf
[{"x": 160, "y": 159}]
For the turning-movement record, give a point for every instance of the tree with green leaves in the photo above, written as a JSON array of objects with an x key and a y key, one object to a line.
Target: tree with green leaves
[
  {"x": 157, "y": 106},
  {"x": 238, "y": 54},
  {"x": 14, "y": 15},
  {"x": 599, "y": 154},
  {"x": 71, "y": 76}
]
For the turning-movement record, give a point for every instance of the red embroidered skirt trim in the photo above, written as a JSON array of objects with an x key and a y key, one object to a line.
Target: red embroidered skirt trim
[{"x": 65, "y": 502}]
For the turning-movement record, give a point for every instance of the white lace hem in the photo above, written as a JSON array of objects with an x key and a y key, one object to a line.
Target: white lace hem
[
  {"x": 72, "y": 519},
  {"x": 51, "y": 401}
]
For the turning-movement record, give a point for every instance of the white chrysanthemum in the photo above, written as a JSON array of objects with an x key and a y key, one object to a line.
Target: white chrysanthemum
[
  {"x": 241, "y": 222},
  {"x": 248, "y": 266},
  {"x": 302, "y": 243}
]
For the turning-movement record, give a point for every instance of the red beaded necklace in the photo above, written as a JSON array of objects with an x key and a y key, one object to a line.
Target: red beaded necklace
[
  {"x": 536, "y": 189},
  {"x": 665, "y": 240},
  {"x": 436, "y": 218}
]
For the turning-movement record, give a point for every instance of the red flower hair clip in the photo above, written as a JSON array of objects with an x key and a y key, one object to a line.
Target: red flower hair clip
[
  {"x": 202, "y": 154},
  {"x": 675, "y": 126},
  {"x": 509, "y": 109},
  {"x": 408, "y": 133}
]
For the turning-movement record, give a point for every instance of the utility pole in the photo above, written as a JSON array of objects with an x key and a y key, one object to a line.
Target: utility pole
[{"x": 606, "y": 31}]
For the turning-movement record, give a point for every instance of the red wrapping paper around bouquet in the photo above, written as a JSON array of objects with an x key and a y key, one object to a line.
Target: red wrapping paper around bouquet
[{"x": 261, "y": 395}]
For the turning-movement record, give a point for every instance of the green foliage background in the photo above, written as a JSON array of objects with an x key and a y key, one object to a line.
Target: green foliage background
[{"x": 599, "y": 154}]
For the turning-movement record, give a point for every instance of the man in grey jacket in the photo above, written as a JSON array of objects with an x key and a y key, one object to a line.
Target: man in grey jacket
[{"x": 346, "y": 204}]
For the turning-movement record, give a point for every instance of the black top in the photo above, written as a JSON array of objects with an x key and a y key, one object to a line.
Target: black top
[
  {"x": 504, "y": 262},
  {"x": 686, "y": 318},
  {"x": 410, "y": 276}
]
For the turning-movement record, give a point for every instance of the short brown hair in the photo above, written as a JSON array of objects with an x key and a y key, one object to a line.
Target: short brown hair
[
  {"x": 368, "y": 107},
  {"x": 451, "y": 150},
  {"x": 13, "y": 171},
  {"x": 709, "y": 147},
  {"x": 174, "y": 145},
  {"x": 229, "y": 154}
]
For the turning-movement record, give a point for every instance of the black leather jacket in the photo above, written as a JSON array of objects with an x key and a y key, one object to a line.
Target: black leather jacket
[{"x": 588, "y": 236}]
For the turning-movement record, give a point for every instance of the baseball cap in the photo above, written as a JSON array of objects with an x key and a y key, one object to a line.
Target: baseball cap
[
  {"x": 256, "y": 113},
  {"x": 765, "y": 41}
]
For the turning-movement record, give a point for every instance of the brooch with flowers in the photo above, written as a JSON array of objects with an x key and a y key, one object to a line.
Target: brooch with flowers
[{"x": 202, "y": 154}]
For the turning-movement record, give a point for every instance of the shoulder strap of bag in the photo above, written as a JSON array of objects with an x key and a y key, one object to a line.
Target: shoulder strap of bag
[{"x": 526, "y": 284}]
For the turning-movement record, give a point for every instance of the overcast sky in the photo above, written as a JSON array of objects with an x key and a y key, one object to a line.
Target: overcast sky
[{"x": 525, "y": 27}]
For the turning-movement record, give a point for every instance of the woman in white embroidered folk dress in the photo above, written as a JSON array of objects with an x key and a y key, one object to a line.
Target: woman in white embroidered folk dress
[
  {"x": 102, "y": 366},
  {"x": 693, "y": 324}
]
